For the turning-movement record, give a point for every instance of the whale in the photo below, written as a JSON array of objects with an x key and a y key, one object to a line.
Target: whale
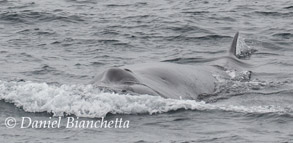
[{"x": 168, "y": 80}]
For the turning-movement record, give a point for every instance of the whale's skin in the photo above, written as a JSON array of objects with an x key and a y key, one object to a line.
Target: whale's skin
[
  {"x": 168, "y": 80},
  {"x": 162, "y": 79}
]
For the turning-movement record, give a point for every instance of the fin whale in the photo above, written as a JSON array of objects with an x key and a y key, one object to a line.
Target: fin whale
[{"x": 168, "y": 80}]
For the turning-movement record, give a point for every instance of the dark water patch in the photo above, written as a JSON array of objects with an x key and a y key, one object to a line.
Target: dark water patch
[
  {"x": 185, "y": 38},
  {"x": 102, "y": 57},
  {"x": 23, "y": 56},
  {"x": 108, "y": 41},
  {"x": 129, "y": 27},
  {"x": 7, "y": 107},
  {"x": 246, "y": 7},
  {"x": 91, "y": 51},
  {"x": 3, "y": 1},
  {"x": 280, "y": 118},
  {"x": 3, "y": 52},
  {"x": 71, "y": 18},
  {"x": 33, "y": 17},
  {"x": 82, "y": 1},
  {"x": 197, "y": 59},
  {"x": 286, "y": 44},
  {"x": 188, "y": 28},
  {"x": 66, "y": 42},
  {"x": 50, "y": 58},
  {"x": 57, "y": 10},
  {"x": 87, "y": 41},
  {"x": 11, "y": 17},
  {"x": 118, "y": 5},
  {"x": 186, "y": 60},
  {"x": 45, "y": 33},
  {"x": 284, "y": 35},
  {"x": 225, "y": 19},
  {"x": 196, "y": 12},
  {"x": 211, "y": 52},
  {"x": 272, "y": 46},
  {"x": 37, "y": 31},
  {"x": 15, "y": 110},
  {"x": 22, "y": 6},
  {"x": 231, "y": 137},
  {"x": 288, "y": 7},
  {"x": 239, "y": 88},
  {"x": 55, "y": 42},
  {"x": 97, "y": 64},
  {"x": 142, "y": 141},
  {"x": 78, "y": 64},
  {"x": 181, "y": 119},
  {"x": 26, "y": 55},
  {"x": 110, "y": 32},
  {"x": 140, "y": 4},
  {"x": 45, "y": 69},
  {"x": 122, "y": 44},
  {"x": 212, "y": 37},
  {"x": 274, "y": 14},
  {"x": 24, "y": 31},
  {"x": 136, "y": 17},
  {"x": 19, "y": 43},
  {"x": 267, "y": 53},
  {"x": 285, "y": 63}
]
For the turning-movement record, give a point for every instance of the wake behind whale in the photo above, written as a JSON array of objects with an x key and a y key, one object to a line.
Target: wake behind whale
[{"x": 169, "y": 80}]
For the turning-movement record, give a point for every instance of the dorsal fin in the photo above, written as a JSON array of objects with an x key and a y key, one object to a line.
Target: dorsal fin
[{"x": 232, "y": 50}]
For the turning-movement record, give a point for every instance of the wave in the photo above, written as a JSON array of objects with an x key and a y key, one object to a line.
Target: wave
[
  {"x": 284, "y": 35},
  {"x": 274, "y": 14},
  {"x": 88, "y": 101},
  {"x": 32, "y": 17},
  {"x": 288, "y": 7},
  {"x": 83, "y": 1}
]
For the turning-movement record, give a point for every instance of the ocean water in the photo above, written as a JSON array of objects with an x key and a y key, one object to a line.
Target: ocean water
[{"x": 51, "y": 50}]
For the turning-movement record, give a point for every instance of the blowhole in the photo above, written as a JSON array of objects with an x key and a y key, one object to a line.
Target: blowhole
[{"x": 128, "y": 70}]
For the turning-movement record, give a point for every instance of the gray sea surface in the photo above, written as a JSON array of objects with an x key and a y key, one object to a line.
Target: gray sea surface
[{"x": 50, "y": 51}]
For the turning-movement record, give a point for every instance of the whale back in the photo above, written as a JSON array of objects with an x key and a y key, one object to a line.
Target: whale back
[{"x": 170, "y": 80}]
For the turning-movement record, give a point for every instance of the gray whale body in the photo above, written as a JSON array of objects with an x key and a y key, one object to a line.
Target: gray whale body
[{"x": 168, "y": 80}]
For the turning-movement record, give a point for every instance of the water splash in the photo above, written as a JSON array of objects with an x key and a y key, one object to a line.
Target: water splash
[
  {"x": 243, "y": 50},
  {"x": 87, "y": 101}
]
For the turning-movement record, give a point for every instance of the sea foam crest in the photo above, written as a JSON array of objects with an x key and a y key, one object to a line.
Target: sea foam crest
[{"x": 87, "y": 101}]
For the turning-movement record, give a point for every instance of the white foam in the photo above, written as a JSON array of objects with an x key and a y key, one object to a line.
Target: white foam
[
  {"x": 243, "y": 50},
  {"x": 87, "y": 101}
]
